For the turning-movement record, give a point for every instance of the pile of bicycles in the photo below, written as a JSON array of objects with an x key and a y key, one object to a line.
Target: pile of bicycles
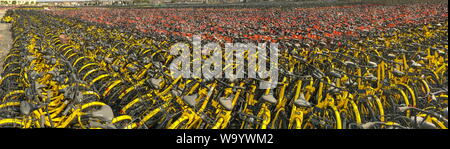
[
  {"x": 279, "y": 24},
  {"x": 72, "y": 73}
]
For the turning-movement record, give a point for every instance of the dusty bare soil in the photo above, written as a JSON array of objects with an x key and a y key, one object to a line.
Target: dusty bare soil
[{"x": 5, "y": 40}]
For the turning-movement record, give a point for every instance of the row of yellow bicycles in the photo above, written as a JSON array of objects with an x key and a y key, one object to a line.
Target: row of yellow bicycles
[{"x": 67, "y": 73}]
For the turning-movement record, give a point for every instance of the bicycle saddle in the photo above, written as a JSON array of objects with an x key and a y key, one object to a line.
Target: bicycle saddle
[
  {"x": 391, "y": 56},
  {"x": 105, "y": 113},
  {"x": 424, "y": 59},
  {"x": 79, "y": 97},
  {"x": 301, "y": 101},
  {"x": 34, "y": 75},
  {"x": 373, "y": 64},
  {"x": 190, "y": 100},
  {"x": 25, "y": 107},
  {"x": 421, "y": 123},
  {"x": 115, "y": 68},
  {"x": 350, "y": 82},
  {"x": 322, "y": 43},
  {"x": 94, "y": 124},
  {"x": 402, "y": 51},
  {"x": 335, "y": 74},
  {"x": 433, "y": 49},
  {"x": 415, "y": 64},
  {"x": 350, "y": 64},
  {"x": 176, "y": 92},
  {"x": 269, "y": 98},
  {"x": 422, "y": 53},
  {"x": 398, "y": 73},
  {"x": 158, "y": 65},
  {"x": 156, "y": 83},
  {"x": 368, "y": 125},
  {"x": 132, "y": 69},
  {"x": 371, "y": 77},
  {"x": 333, "y": 89},
  {"x": 109, "y": 60},
  {"x": 227, "y": 102}
]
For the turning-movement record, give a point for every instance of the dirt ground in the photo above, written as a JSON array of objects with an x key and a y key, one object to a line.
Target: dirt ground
[{"x": 5, "y": 40}]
